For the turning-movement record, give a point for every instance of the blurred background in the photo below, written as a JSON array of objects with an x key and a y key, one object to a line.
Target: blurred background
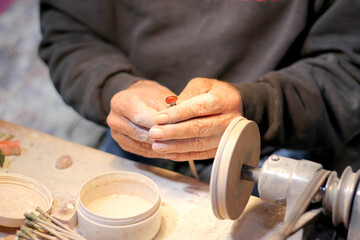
[{"x": 27, "y": 95}]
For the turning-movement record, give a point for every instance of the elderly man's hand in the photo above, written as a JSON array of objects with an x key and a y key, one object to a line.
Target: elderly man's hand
[
  {"x": 193, "y": 128},
  {"x": 132, "y": 114}
]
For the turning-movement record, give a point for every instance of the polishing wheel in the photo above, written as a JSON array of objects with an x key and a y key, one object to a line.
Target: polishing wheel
[
  {"x": 294, "y": 183},
  {"x": 239, "y": 145}
]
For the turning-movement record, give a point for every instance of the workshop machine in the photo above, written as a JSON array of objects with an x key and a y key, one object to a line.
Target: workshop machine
[{"x": 294, "y": 183}]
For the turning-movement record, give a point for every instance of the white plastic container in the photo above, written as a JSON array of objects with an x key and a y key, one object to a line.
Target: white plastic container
[
  {"x": 116, "y": 215},
  {"x": 20, "y": 194}
]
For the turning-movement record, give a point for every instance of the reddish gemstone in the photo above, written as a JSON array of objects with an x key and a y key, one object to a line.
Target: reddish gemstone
[{"x": 171, "y": 99}]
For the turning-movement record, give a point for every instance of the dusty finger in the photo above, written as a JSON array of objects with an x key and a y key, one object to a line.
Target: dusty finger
[
  {"x": 124, "y": 126},
  {"x": 198, "y": 127},
  {"x": 139, "y": 148},
  {"x": 186, "y": 145}
]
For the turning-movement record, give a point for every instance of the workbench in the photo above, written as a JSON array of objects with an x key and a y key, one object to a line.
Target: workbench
[{"x": 186, "y": 203}]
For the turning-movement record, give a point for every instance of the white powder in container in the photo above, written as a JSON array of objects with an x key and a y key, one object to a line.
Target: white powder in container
[{"x": 119, "y": 205}]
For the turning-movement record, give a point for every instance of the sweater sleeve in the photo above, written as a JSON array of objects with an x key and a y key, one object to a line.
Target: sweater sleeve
[
  {"x": 315, "y": 102},
  {"x": 101, "y": 69}
]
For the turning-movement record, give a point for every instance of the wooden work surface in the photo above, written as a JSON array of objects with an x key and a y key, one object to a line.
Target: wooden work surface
[{"x": 186, "y": 202}]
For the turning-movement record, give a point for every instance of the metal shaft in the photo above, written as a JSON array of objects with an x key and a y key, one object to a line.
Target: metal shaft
[{"x": 250, "y": 173}]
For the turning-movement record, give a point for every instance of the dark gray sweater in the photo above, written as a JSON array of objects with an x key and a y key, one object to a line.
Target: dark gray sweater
[{"x": 295, "y": 62}]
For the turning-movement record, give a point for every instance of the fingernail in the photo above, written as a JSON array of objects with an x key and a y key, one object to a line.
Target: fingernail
[
  {"x": 159, "y": 147},
  {"x": 162, "y": 119},
  {"x": 156, "y": 133}
]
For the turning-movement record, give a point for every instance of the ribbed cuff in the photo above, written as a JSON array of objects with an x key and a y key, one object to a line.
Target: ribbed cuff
[{"x": 255, "y": 97}]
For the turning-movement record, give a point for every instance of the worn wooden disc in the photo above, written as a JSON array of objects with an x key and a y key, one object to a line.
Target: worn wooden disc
[{"x": 240, "y": 144}]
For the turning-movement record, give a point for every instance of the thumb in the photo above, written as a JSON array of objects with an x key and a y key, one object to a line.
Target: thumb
[
  {"x": 195, "y": 87},
  {"x": 201, "y": 105}
]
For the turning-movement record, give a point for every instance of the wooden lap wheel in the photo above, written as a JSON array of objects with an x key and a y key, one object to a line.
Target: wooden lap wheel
[{"x": 239, "y": 145}]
